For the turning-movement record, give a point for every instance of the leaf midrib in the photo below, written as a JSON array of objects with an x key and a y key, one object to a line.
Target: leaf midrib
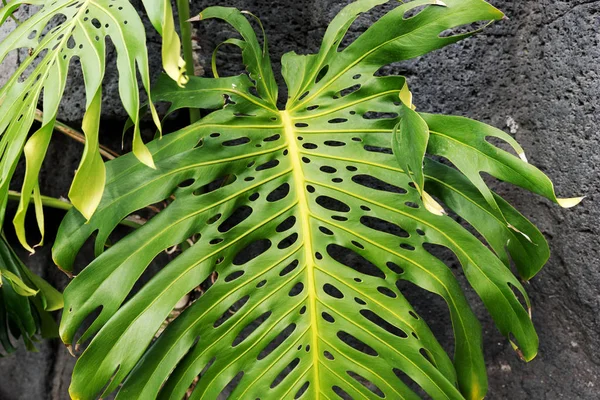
[{"x": 299, "y": 181}]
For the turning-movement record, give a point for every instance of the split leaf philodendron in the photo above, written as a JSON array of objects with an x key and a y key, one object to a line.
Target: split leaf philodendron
[
  {"x": 304, "y": 220},
  {"x": 59, "y": 33},
  {"x": 56, "y": 35}
]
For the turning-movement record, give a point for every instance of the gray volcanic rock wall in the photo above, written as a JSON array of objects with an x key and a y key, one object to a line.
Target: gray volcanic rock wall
[{"x": 537, "y": 76}]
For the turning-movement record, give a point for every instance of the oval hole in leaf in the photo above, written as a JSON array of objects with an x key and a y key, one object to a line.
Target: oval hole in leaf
[
  {"x": 280, "y": 193},
  {"x": 327, "y": 317},
  {"x": 268, "y": 165},
  {"x": 382, "y": 323},
  {"x": 287, "y": 224},
  {"x": 236, "y": 142},
  {"x": 250, "y": 328},
  {"x": 292, "y": 266},
  {"x": 341, "y": 392},
  {"x": 278, "y": 340},
  {"x": 377, "y": 149},
  {"x": 234, "y": 275},
  {"x": 322, "y": 73},
  {"x": 235, "y": 307},
  {"x": 296, "y": 290},
  {"x": 379, "y": 115},
  {"x": 381, "y": 225},
  {"x": 251, "y": 251},
  {"x": 230, "y": 387},
  {"x": 216, "y": 184},
  {"x": 395, "y": 268},
  {"x": 356, "y": 343},
  {"x": 366, "y": 383},
  {"x": 288, "y": 241},
  {"x": 408, "y": 381},
  {"x": 332, "y": 204},
  {"x": 352, "y": 259},
  {"x": 327, "y": 169},
  {"x": 236, "y": 218},
  {"x": 332, "y": 291},
  {"x": 387, "y": 292},
  {"x": 285, "y": 372},
  {"x": 375, "y": 183},
  {"x": 302, "y": 390}
]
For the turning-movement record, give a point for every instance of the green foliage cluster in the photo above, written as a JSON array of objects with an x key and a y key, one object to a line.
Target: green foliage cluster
[{"x": 303, "y": 221}]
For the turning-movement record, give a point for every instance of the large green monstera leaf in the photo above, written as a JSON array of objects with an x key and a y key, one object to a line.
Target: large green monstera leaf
[
  {"x": 304, "y": 221},
  {"x": 59, "y": 33}
]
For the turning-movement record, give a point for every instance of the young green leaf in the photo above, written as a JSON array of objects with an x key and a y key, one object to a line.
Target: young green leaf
[
  {"x": 25, "y": 302},
  {"x": 80, "y": 34}
]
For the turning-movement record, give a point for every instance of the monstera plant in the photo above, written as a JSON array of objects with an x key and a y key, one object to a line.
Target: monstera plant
[
  {"x": 300, "y": 223},
  {"x": 57, "y": 34}
]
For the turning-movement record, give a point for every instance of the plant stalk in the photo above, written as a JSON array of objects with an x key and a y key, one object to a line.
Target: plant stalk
[
  {"x": 75, "y": 135},
  {"x": 65, "y": 205},
  {"x": 12, "y": 16},
  {"x": 183, "y": 10}
]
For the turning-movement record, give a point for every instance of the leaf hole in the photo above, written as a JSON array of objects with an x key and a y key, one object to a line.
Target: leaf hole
[
  {"x": 322, "y": 73},
  {"x": 250, "y": 328},
  {"x": 341, "y": 393},
  {"x": 234, "y": 308},
  {"x": 356, "y": 343},
  {"x": 286, "y": 371},
  {"x": 327, "y": 317},
  {"x": 289, "y": 268},
  {"x": 279, "y": 193},
  {"x": 334, "y": 143},
  {"x": 372, "y": 182},
  {"x": 382, "y": 323},
  {"x": 234, "y": 275},
  {"x": 288, "y": 241},
  {"x": 268, "y": 165},
  {"x": 296, "y": 289},
  {"x": 252, "y": 251},
  {"x": 352, "y": 259},
  {"x": 325, "y": 231},
  {"x": 377, "y": 149},
  {"x": 384, "y": 226},
  {"x": 288, "y": 223},
  {"x": 332, "y": 204},
  {"x": 302, "y": 390},
  {"x": 395, "y": 268},
  {"x": 277, "y": 341},
  {"x": 387, "y": 292},
  {"x": 332, "y": 291},
  {"x": 366, "y": 383},
  {"x": 327, "y": 169}
]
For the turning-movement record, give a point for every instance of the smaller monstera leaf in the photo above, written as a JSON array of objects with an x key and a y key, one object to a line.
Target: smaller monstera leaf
[
  {"x": 306, "y": 227},
  {"x": 60, "y": 32},
  {"x": 26, "y": 301}
]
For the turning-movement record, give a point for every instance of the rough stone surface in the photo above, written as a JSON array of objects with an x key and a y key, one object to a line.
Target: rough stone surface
[{"x": 536, "y": 76}]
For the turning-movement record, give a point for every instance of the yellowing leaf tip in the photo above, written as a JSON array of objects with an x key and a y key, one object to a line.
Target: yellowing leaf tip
[
  {"x": 523, "y": 157},
  {"x": 571, "y": 202},
  {"x": 433, "y": 206}
]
